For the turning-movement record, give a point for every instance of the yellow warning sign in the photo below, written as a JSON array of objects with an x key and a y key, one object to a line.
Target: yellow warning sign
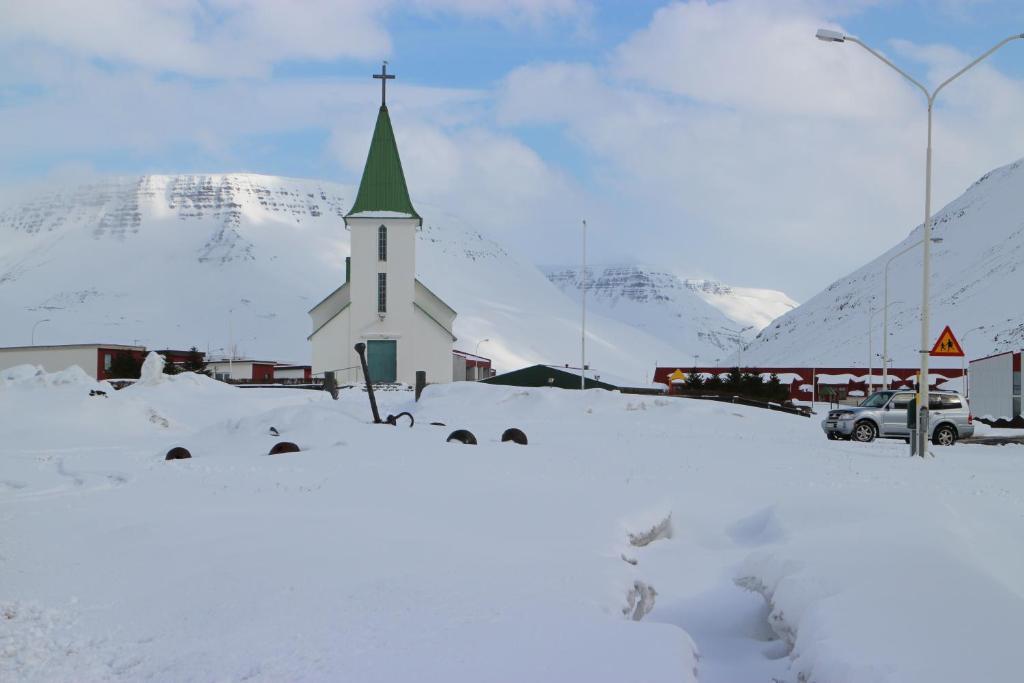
[
  {"x": 947, "y": 345},
  {"x": 677, "y": 376}
]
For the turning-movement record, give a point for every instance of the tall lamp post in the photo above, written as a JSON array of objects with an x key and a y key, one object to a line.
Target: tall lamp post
[
  {"x": 871, "y": 355},
  {"x": 37, "y": 324},
  {"x": 583, "y": 314},
  {"x": 837, "y": 37},
  {"x": 885, "y": 315}
]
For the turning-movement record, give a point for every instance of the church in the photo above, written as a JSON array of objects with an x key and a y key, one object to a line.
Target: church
[{"x": 404, "y": 325}]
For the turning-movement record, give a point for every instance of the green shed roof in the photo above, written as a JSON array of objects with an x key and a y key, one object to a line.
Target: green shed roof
[{"x": 383, "y": 188}]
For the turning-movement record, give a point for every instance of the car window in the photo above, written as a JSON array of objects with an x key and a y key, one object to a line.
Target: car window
[
  {"x": 875, "y": 400},
  {"x": 950, "y": 402},
  {"x": 901, "y": 401}
]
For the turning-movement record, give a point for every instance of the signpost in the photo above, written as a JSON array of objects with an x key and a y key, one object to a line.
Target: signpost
[{"x": 946, "y": 345}]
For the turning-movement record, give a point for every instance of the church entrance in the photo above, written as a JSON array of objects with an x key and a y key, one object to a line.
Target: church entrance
[{"x": 382, "y": 357}]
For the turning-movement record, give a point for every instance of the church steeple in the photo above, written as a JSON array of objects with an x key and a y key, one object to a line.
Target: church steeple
[{"x": 382, "y": 187}]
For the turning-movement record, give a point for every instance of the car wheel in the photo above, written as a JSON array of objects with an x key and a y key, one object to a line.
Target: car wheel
[
  {"x": 945, "y": 435},
  {"x": 864, "y": 432}
]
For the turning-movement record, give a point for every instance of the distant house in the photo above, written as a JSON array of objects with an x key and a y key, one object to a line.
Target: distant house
[
  {"x": 179, "y": 357},
  {"x": 97, "y": 360},
  {"x": 293, "y": 374},
  {"x": 814, "y": 383},
  {"x": 242, "y": 370},
  {"x": 470, "y": 367}
]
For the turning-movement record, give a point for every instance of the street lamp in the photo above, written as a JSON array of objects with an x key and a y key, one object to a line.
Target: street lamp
[
  {"x": 583, "y": 312},
  {"x": 871, "y": 355},
  {"x": 963, "y": 359},
  {"x": 38, "y": 323},
  {"x": 837, "y": 37},
  {"x": 885, "y": 316},
  {"x": 477, "y": 349}
]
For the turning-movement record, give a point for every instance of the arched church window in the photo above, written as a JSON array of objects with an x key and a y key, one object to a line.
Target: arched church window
[{"x": 382, "y": 243}]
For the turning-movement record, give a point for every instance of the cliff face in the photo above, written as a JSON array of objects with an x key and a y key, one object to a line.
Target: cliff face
[
  {"x": 699, "y": 317},
  {"x": 219, "y": 259}
]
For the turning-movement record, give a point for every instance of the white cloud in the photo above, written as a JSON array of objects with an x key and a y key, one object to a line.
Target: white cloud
[
  {"x": 747, "y": 148},
  {"x": 721, "y": 140},
  {"x": 199, "y": 37},
  {"x": 239, "y": 38}
]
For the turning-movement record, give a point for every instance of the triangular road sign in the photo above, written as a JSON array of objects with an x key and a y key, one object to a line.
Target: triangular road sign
[{"x": 947, "y": 345}]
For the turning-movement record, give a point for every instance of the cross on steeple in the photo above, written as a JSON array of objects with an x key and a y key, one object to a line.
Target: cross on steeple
[{"x": 383, "y": 76}]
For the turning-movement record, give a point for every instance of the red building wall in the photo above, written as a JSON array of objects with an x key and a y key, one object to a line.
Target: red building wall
[
  {"x": 899, "y": 378},
  {"x": 101, "y": 353},
  {"x": 262, "y": 372}
]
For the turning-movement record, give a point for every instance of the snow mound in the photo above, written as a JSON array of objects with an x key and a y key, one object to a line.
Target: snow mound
[
  {"x": 34, "y": 376},
  {"x": 152, "y": 369},
  {"x": 836, "y": 593}
]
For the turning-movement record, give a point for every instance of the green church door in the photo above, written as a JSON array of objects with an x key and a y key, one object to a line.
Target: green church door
[{"x": 382, "y": 357}]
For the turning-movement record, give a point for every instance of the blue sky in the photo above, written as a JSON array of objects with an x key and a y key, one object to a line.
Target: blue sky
[{"x": 673, "y": 127}]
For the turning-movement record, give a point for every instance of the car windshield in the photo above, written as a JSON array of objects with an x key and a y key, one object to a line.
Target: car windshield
[{"x": 876, "y": 400}]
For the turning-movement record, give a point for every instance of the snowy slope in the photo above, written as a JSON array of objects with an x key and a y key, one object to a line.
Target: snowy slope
[
  {"x": 629, "y": 535},
  {"x": 976, "y": 287},
  {"x": 175, "y": 261},
  {"x": 698, "y": 316}
]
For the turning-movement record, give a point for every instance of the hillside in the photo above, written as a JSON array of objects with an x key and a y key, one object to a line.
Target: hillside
[
  {"x": 207, "y": 260},
  {"x": 703, "y": 317},
  {"x": 977, "y": 280}
]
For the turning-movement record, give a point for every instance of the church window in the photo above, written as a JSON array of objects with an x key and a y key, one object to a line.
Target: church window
[
  {"x": 382, "y": 243},
  {"x": 382, "y": 292}
]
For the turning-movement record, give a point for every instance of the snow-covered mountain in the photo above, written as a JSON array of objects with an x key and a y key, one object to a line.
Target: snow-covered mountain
[
  {"x": 701, "y": 317},
  {"x": 207, "y": 260},
  {"x": 977, "y": 288}
]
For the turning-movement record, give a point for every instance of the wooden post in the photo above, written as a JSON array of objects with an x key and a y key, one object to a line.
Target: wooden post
[{"x": 421, "y": 382}]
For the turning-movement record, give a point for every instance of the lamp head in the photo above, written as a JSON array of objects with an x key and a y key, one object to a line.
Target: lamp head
[{"x": 830, "y": 36}]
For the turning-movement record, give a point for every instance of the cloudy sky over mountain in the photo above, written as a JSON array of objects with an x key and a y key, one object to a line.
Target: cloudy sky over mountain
[{"x": 718, "y": 139}]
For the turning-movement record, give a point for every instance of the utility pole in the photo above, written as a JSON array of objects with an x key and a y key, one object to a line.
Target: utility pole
[{"x": 583, "y": 314}]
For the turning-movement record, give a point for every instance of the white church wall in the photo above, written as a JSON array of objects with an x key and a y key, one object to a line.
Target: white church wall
[
  {"x": 433, "y": 350},
  {"x": 333, "y": 352},
  {"x": 399, "y": 320}
]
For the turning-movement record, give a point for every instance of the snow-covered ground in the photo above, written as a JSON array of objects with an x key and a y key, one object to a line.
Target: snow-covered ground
[{"x": 383, "y": 553}]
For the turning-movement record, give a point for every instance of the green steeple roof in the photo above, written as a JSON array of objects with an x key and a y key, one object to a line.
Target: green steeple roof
[{"x": 383, "y": 185}]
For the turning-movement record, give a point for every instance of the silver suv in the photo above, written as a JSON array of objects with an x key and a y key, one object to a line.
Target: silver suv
[{"x": 883, "y": 414}]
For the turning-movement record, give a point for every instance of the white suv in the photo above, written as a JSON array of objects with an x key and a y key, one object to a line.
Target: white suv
[{"x": 883, "y": 414}]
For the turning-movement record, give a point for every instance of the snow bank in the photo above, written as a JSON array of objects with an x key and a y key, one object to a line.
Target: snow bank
[
  {"x": 382, "y": 553},
  {"x": 22, "y": 377},
  {"x": 922, "y": 598}
]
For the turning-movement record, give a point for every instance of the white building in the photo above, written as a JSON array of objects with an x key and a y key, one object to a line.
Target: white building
[
  {"x": 404, "y": 325},
  {"x": 98, "y": 360},
  {"x": 242, "y": 370}
]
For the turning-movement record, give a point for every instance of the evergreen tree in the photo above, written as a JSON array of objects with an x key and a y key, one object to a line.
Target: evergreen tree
[
  {"x": 170, "y": 368},
  {"x": 124, "y": 366},
  {"x": 775, "y": 390},
  {"x": 713, "y": 382},
  {"x": 195, "y": 362},
  {"x": 694, "y": 381},
  {"x": 752, "y": 385},
  {"x": 734, "y": 382}
]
